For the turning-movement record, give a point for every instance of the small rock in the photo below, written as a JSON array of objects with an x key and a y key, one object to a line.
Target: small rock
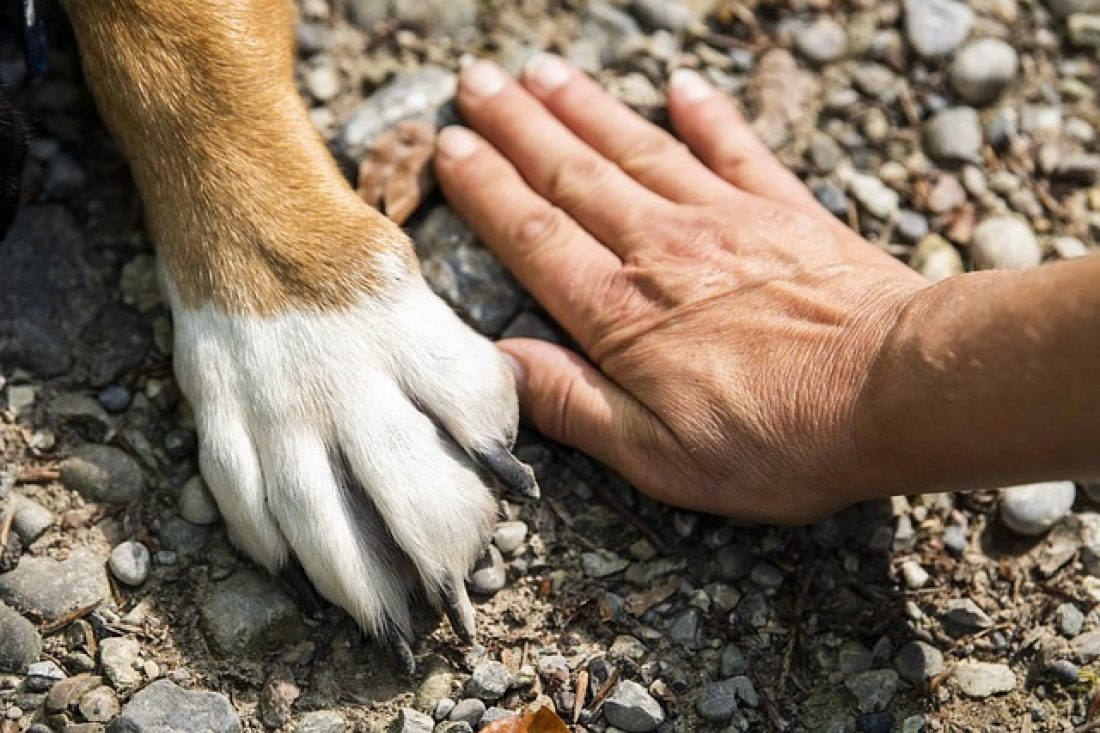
[
  {"x": 831, "y": 197},
  {"x": 918, "y": 662},
  {"x": 20, "y": 644},
  {"x": 1070, "y": 248},
  {"x": 414, "y": 95},
  {"x": 954, "y": 539},
  {"x": 99, "y": 705},
  {"x": 911, "y": 226},
  {"x": 1086, "y": 646},
  {"x": 414, "y": 721},
  {"x": 489, "y": 574},
  {"x": 982, "y": 70},
  {"x": 41, "y": 676},
  {"x": 1069, "y": 620},
  {"x": 495, "y": 714},
  {"x": 947, "y": 194},
  {"x": 435, "y": 686},
  {"x": 130, "y": 563},
  {"x": 489, "y": 681},
  {"x": 118, "y": 655},
  {"x": 733, "y": 662},
  {"x": 630, "y": 708},
  {"x": 1084, "y": 30},
  {"x": 454, "y": 726},
  {"x": 667, "y": 15},
  {"x": 982, "y": 679},
  {"x": 1083, "y": 168},
  {"x": 1066, "y": 8},
  {"x": 717, "y": 701},
  {"x": 114, "y": 399},
  {"x": 31, "y": 520},
  {"x": 875, "y": 723},
  {"x": 936, "y": 259},
  {"x": 914, "y": 575},
  {"x": 325, "y": 721},
  {"x": 247, "y": 611},
  {"x": 183, "y": 537},
  {"x": 509, "y": 536},
  {"x": 875, "y": 196},
  {"x": 164, "y": 707},
  {"x": 872, "y": 690},
  {"x": 102, "y": 473},
  {"x": 966, "y": 613},
  {"x": 1034, "y": 509},
  {"x": 443, "y": 708},
  {"x": 602, "y": 564},
  {"x": 853, "y": 657},
  {"x": 81, "y": 414},
  {"x": 322, "y": 82},
  {"x": 196, "y": 504},
  {"x": 935, "y": 28},
  {"x": 470, "y": 710},
  {"x": 50, "y": 589},
  {"x": 277, "y": 697},
  {"x": 1065, "y": 672},
  {"x": 68, "y": 692},
  {"x": 954, "y": 135},
  {"x": 685, "y": 628},
  {"x": 823, "y": 41},
  {"x": 1006, "y": 242}
]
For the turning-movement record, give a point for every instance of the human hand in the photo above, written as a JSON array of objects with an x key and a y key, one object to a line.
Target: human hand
[{"x": 729, "y": 321}]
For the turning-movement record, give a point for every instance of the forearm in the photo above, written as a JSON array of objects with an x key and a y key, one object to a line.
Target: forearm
[{"x": 990, "y": 379}]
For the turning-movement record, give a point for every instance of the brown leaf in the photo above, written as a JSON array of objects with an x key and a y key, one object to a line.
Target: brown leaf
[
  {"x": 544, "y": 720},
  {"x": 395, "y": 176}
]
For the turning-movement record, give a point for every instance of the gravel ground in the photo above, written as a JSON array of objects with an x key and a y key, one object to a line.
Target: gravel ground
[{"x": 955, "y": 136}]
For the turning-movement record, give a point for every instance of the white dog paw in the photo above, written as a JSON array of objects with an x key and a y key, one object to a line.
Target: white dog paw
[{"x": 357, "y": 443}]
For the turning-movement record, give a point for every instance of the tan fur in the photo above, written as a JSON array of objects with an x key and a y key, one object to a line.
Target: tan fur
[{"x": 245, "y": 205}]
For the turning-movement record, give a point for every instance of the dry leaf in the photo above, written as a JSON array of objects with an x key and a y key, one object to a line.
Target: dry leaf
[
  {"x": 395, "y": 176},
  {"x": 542, "y": 721}
]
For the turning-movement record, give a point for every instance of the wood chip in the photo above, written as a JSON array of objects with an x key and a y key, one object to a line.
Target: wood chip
[
  {"x": 544, "y": 720},
  {"x": 395, "y": 177}
]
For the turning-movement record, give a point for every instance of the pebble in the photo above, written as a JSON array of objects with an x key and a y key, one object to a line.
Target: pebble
[
  {"x": 874, "y": 195},
  {"x": 454, "y": 726},
  {"x": 509, "y": 536},
  {"x": 914, "y": 575},
  {"x": 982, "y": 679},
  {"x": 982, "y": 70},
  {"x": 1083, "y": 168},
  {"x": 823, "y": 41},
  {"x": 427, "y": 16},
  {"x": 1084, "y": 30},
  {"x": 495, "y": 715},
  {"x": 1033, "y": 509},
  {"x": 954, "y": 539},
  {"x": 20, "y": 644},
  {"x": 717, "y": 701},
  {"x": 470, "y": 710},
  {"x": 102, "y": 473},
  {"x": 1065, "y": 8},
  {"x": 1069, "y": 620},
  {"x": 873, "y": 689},
  {"x": 1086, "y": 646},
  {"x": 684, "y": 629},
  {"x": 832, "y": 197},
  {"x": 853, "y": 657},
  {"x": 165, "y": 707},
  {"x": 966, "y": 613},
  {"x": 118, "y": 655},
  {"x": 616, "y": 34},
  {"x": 414, "y": 721},
  {"x": 31, "y": 520},
  {"x": 954, "y": 135},
  {"x": 911, "y": 226},
  {"x": 181, "y": 536},
  {"x": 602, "y": 563},
  {"x": 489, "y": 681},
  {"x": 416, "y": 95},
  {"x": 114, "y": 399},
  {"x": 130, "y": 563},
  {"x": 918, "y": 662},
  {"x": 1070, "y": 248},
  {"x": 41, "y": 676},
  {"x": 50, "y": 589},
  {"x": 1005, "y": 242},
  {"x": 196, "y": 504},
  {"x": 947, "y": 194},
  {"x": 82, "y": 414},
  {"x": 322, "y": 82},
  {"x": 247, "y": 611},
  {"x": 322, "y": 721},
  {"x": 665, "y": 15},
  {"x": 631, "y": 708},
  {"x": 1065, "y": 672},
  {"x": 935, "y": 28},
  {"x": 489, "y": 574},
  {"x": 99, "y": 705},
  {"x": 875, "y": 723}
]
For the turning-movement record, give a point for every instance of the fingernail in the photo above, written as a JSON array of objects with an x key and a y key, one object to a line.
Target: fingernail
[
  {"x": 546, "y": 72},
  {"x": 689, "y": 87},
  {"x": 518, "y": 374},
  {"x": 456, "y": 143},
  {"x": 483, "y": 79}
]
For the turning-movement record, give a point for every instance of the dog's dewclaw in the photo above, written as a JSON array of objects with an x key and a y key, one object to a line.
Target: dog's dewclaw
[{"x": 515, "y": 475}]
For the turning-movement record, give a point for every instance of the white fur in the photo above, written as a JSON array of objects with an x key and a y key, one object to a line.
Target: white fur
[{"x": 275, "y": 398}]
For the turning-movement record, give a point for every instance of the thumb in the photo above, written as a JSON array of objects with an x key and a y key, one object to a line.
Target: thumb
[{"x": 570, "y": 401}]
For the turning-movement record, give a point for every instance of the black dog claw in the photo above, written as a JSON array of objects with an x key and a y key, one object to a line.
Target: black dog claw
[{"x": 510, "y": 471}]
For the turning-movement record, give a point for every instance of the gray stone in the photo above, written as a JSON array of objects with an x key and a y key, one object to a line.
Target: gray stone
[
  {"x": 31, "y": 520},
  {"x": 718, "y": 701},
  {"x": 41, "y": 676},
  {"x": 322, "y": 82},
  {"x": 81, "y": 414},
  {"x": 872, "y": 690},
  {"x": 196, "y": 504},
  {"x": 1066, "y": 8},
  {"x": 733, "y": 662},
  {"x": 615, "y": 33},
  {"x": 245, "y": 612},
  {"x": 823, "y": 41},
  {"x": 495, "y": 714},
  {"x": 954, "y": 135},
  {"x": 630, "y": 708},
  {"x": 918, "y": 662},
  {"x": 964, "y": 612},
  {"x": 1065, "y": 672},
  {"x": 734, "y": 562},
  {"x": 427, "y": 16},
  {"x": 1084, "y": 30},
  {"x": 853, "y": 657},
  {"x": 20, "y": 644},
  {"x": 130, "y": 563},
  {"x": 1035, "y": 508},
  {"x": 685, "y": 628},
  {"x": 118, "y": 656},
  {"x": 114, "y": 399},
  {"x": 1069, "y": 620},
  {"x": 911, "y": 226},
  {"x": 1005, "y": 242},
  {"x": 415, "y": 95},
  {"x": 509, "y": 536},
  {"x": 139, "y": 283},
  {"x": 982, "y": 70},
  {"x": 831, "y": 197},
  {"x": 470, "y": 710},
  {"x": 99, "y": 705},
  {"x": 181, "y": 536},
  {"x": 553, "y": 666},
  {"x": 454, "y": 726},
  {"x": 488, "y": 575},
  {"x": 465, "y": 274},
  {"x": 954, "y": 538},
  {"x": 50, "y": 589},
  {"x": 914, "y": 575},
  {"x": 489, "y": 681},
  {"x": 602, "y": 564},
  {"x": 1086, "y": 646},
  {"x": 414, "y": 721},
  {"x": 983, "y": 679},
  {"x": 164, "y": 707},
  {"x": 935, "y": 28},
  {"x": 1083, "y": 168},
  {"x": 102, "y": 473},
  {"x": 443, "y": 708},
  {"x": 668, "y": 15},
  {"x": 876, "y": 197},
  {"x": 936, "y": 259}
]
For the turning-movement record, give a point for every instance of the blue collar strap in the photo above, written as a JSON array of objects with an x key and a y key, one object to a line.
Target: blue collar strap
[{"x": 34, "y": 39}]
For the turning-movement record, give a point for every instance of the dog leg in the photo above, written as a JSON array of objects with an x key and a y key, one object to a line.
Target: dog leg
[{"x": 344, "y": 412}]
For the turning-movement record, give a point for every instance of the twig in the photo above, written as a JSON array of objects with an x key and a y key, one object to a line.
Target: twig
[
  {"x": 5, "y": 526},
  {"x": 68, "y": 618},
  {"x": 37, "y": 475}
]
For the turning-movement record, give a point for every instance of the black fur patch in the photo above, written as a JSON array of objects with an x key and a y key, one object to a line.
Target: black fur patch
[{"x": 13, "y": 154}]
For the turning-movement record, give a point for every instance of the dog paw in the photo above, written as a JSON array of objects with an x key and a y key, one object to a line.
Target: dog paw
[{"x": 359, "y": 443}]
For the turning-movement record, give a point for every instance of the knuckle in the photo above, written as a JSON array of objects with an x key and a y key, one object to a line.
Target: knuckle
[
  {"x": 545, "y": 224},
  {"x": 576, "y": 177},
  {"x": 645, "y": 154}
]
